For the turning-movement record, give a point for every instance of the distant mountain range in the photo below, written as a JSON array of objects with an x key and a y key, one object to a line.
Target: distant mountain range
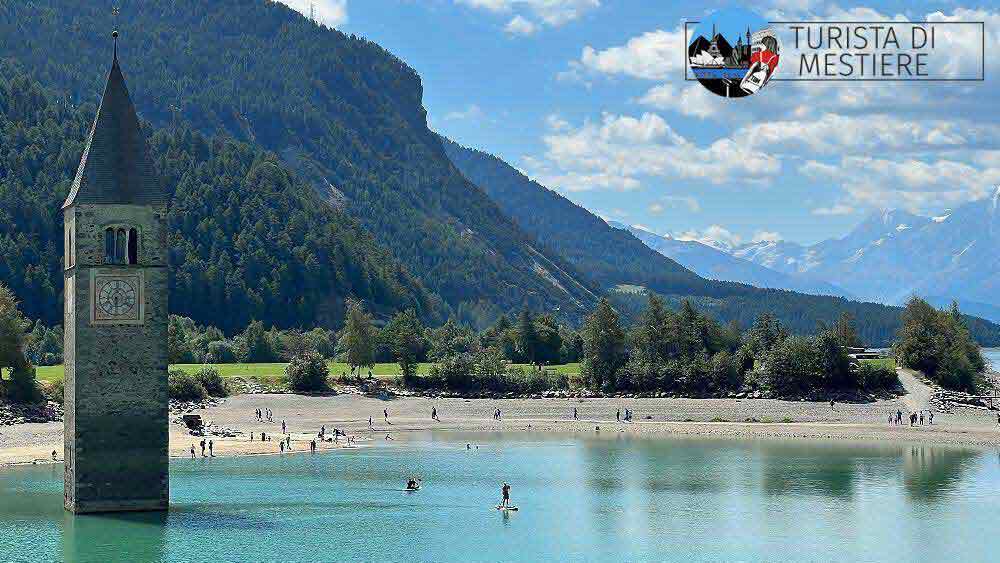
[
  {"x": 714, "y": 280},
  {"x": 894, "y": 254},
  {"x": 715, "y": 264},
  {"x": 889, "y": 257}
]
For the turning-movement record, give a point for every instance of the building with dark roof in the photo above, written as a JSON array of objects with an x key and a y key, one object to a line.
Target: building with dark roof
[{"x": 115, "y": 318}]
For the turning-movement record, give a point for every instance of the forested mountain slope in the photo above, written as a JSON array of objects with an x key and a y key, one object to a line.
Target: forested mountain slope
[
  {"x": 617, "y": 258},
  {"x": 348, "y": 110},
  {"x": 249, "y": 241}
]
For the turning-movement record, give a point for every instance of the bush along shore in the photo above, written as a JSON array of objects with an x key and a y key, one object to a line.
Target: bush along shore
[{"x": 664, "y": 353}]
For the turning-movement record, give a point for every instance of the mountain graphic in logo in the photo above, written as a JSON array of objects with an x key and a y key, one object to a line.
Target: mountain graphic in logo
[{"x": 737, "y": 57}]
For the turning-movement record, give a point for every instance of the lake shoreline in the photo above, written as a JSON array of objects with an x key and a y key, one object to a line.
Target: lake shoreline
[{"x": 741, "y": 419}]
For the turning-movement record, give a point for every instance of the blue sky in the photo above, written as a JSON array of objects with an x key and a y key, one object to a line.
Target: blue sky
[{"x": 588, "y": 98}]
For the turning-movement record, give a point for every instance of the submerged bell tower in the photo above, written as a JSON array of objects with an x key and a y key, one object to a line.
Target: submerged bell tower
[{"x": 116, "y": 402}]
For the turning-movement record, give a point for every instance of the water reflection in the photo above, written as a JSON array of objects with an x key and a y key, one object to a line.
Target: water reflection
[
  {"x": 139, "y": 536},
  {"x": 932, "y": 474},
  {"x": 832, "y": 470}
]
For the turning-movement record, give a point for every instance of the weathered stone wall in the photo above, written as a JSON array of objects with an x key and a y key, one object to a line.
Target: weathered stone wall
[{"x": 116, "y": 375}]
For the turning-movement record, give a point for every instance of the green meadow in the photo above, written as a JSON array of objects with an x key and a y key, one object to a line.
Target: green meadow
[{"x": 885, "y": 362}]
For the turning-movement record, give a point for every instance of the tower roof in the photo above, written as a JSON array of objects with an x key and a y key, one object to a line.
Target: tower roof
[{"x": 116, "y": 167}]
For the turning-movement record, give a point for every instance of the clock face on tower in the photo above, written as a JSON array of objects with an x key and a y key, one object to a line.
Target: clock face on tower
[{"x": 117, "y": 298}]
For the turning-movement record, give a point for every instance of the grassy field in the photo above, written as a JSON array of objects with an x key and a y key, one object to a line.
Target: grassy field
[
  {"x": 886, "y": 362},
  {"x": 388, "y": 371}
]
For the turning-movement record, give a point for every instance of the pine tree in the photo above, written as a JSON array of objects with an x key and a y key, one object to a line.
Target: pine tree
[
  {"x": 603, "y": 347},
  {"x": 358, "y": 337},
  {"x": 649, "y": 338},
  {"x": 407, "y": 342},
  {"x": 527, "y": 337}
]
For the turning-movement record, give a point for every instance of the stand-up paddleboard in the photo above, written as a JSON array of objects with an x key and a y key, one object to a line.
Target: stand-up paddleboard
[
  {"x": 507, "y": 508},
  {"x": 411, "y": 490}
]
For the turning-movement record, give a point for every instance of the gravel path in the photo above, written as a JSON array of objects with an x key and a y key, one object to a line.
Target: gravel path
[{"x": 918, "y": 394}]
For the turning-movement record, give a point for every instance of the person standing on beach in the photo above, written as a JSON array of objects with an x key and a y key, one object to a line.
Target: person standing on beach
[
  {"x": 370, "y": 426},
  {"x": 192, "y": 452},
  {"x": 385, "y": 412},
  {"x": 281, "y": 446},
  {"x": 618, "y": 415},
  {"x": 203, "y": 448},
  {"x": 283, "y": 427},
  {"x": 576, "y": 415},
  {"x": 211, "y": 449},
  {"x": 434, "y": 413},
  {"x": 288, "y": 442}
]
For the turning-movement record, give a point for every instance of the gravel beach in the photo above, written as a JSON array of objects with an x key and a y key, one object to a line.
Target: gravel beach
[{"x": 726, "y": 418}]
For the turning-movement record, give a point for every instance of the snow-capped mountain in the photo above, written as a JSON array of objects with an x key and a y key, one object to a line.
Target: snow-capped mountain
[
  {"x": 713, "y": 262},
  {"x": 895, "y": 254}
]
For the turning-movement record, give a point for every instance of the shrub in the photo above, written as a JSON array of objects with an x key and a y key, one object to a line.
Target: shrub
[
  {"x": 452, "y": 372},
  {"x": 212, "y": 381},
  {"x": 55, "y": 391},
  {"x": 221, "y": 352},
  {"x": 23, "y": 387},
  {"x": 185, "y": 387},
  {"x": 875, "y": 376},
  {"x": 308, "y": 372}
]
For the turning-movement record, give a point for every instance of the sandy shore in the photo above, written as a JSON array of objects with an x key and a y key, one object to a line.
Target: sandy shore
[{"x": 726, "y": 418}]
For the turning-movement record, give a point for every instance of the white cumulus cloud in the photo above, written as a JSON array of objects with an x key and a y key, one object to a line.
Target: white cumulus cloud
[
  {"x": 520, "y": 25},
  {"x": 530, "y": 14},
  {"x": 620, "y": 150},
  {"x": 329, "y": 12}
]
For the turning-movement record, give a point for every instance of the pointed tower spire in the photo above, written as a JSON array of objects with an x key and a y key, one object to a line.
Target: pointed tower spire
[{"x": 116, "y": 167}]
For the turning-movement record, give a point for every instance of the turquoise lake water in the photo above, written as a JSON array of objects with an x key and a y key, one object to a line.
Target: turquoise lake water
[
  {"x": 993, "y": 357},
  {"x": 581, "y": 500}
]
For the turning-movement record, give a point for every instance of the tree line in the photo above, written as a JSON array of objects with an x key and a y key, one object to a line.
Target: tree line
[{"x": 682, "y": 352}]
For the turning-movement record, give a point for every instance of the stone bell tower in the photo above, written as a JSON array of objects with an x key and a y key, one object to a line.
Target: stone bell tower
[{"x": 116, "y": 317}]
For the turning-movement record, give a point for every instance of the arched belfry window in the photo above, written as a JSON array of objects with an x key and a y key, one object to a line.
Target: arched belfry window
[
  {"x": 133, "y": 246},
  {"x": 121, "y": 244},
  {"x": 109, "y": 246}
]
